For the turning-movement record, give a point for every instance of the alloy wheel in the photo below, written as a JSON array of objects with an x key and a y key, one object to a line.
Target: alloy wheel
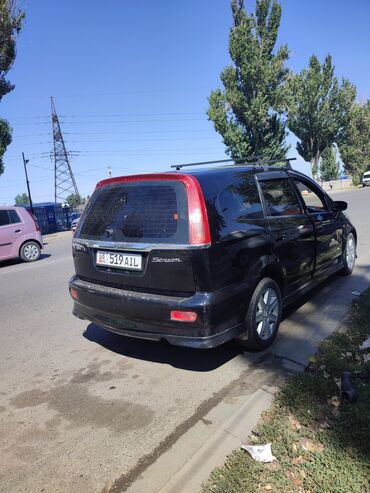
[
  {"x": 350, "y": 252},
  {"x": 267, "y": 314},
  {"x": 31, "y": 251}
]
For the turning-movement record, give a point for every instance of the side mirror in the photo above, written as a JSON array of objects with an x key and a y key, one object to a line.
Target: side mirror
[{"x": 339, "y": 205}]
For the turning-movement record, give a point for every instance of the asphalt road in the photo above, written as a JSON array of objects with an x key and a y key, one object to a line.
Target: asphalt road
[{"x": 81, "y": 408}]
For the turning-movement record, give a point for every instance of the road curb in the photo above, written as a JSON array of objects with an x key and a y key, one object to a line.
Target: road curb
[{"x": 184, "y": 467}]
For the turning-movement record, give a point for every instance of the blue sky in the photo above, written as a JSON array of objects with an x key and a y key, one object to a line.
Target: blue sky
[{"x": 131, "y": 81}]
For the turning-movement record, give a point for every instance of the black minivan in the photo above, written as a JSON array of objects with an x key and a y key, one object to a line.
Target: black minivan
[{"x": 202, "y": 257}]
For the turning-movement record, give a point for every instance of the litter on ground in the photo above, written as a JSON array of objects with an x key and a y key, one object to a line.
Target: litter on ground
[{"x": 260, "y": 453}]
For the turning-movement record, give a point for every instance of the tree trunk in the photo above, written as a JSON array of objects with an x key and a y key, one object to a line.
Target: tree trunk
[{"x": 315, "y": 166}]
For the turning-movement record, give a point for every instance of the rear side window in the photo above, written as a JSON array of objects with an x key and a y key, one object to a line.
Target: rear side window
[
  {"x": 240, "y": 200},
  {"x": 143, "y": 212},
  {"x": 4, "y": 218},
  {"x": 14, "y": 218},
  {"x": 280, "y": 197}
]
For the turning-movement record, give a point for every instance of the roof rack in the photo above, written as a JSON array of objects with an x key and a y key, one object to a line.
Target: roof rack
[{"x": 251, "y": 161}]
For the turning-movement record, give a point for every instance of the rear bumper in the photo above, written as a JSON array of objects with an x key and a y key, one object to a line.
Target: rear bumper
[
  {"x": 39, "y": 239},
  {"x": 147, "y": 316}
]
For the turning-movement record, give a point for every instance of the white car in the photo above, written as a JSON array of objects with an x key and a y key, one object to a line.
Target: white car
[
  {"x": 75, "y": 217},
  {"x": 366, "y": 179}
]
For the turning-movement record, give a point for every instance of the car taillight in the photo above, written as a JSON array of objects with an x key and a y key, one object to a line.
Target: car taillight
[
  {"x": 181, "y": 316},
  {"x": 199, "y": 232},
  {"x": 35, "y": 221},
  {"x": 73, "y": 293}
]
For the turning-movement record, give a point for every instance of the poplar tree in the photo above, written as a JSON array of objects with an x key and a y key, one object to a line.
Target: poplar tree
[
  {"x": 247, "y": 111},
  {"x": 329, "y": 166},
  {"x": 355, "y": 145},
  {"x": 318, "y": 109}
]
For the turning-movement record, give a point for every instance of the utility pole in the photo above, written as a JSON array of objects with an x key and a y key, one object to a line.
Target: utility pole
[
  {"x": 65, "y": 183},
  {"x": 25, "y": 161}
]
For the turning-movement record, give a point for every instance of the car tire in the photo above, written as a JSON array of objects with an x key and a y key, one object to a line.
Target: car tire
[
  {"x": 263, "y": 316},
  {"x": 349, "y": 255},
  {"x": 30, "y": 251}
]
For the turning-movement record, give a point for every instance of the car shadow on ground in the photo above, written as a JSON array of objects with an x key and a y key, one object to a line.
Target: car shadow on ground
[
  {"x": 209, "y": 359},
  {"x": 309, "y": 296},
  {"x": 15, "y": 261},
  {"x": 161, "y": 352}
]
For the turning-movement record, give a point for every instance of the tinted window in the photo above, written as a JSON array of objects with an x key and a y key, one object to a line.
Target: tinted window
[
  {"x": 152, "y": 211},
  {"x": 240, "y": 200},
  {"x": 4, "y": 218},
  {"x": 280, "y": 198},
  {"x": 312, "y": 200},
  {"x": 14, "y": 218}
]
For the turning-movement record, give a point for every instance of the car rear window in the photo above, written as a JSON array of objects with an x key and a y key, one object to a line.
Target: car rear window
[{"x": 144, "y": 212}]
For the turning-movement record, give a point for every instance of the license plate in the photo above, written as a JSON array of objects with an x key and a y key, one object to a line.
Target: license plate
[{"x": 118, "y": 260}]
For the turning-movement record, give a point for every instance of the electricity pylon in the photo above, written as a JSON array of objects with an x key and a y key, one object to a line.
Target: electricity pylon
[{"x": 65, "y": 183}]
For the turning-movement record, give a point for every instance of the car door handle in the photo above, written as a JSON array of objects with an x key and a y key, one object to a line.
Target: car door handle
[
  {"x": 320, "y": 229},
  {"x": 17, "y": 231}
]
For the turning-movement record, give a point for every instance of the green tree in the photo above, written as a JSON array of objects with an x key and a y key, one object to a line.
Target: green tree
[
  {"x": 10, "y": 25},
  {"x": 5, "y": 140},
  {"x": 355, "y": 145},
  {"x": 318, "y": 108},
  {"x": 22, "y": 198},
  {"x": 74, "y": 200},
  {"x": 247, "y": 112},
  {"x": 329, "y": 166}
]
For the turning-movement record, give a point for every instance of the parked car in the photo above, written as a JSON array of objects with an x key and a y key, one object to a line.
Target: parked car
[
  {"x": 366, "y": 179},
  {"x": 202, "y": 257},
  {"x": 20, "y": 234},
  {"x": 75, "y": 217}
]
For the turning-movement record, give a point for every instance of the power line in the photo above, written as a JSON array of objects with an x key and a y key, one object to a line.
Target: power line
[
  {"x": 115, "y": 132},
  {"x": 134, "y": 140},
  {"x": 171, "y": 149},
  {"x": 104, "y": 115},
  {"x": 170, "y": 120},
  {"x": 36, "y": 143},
  {"x": 174, "y": 149},
  {"x": 122, "y": 93},
  {"x": 41, "y": 167},
  {"x": 168, "y": 139},
  {"x": 132, "y": 154}
]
